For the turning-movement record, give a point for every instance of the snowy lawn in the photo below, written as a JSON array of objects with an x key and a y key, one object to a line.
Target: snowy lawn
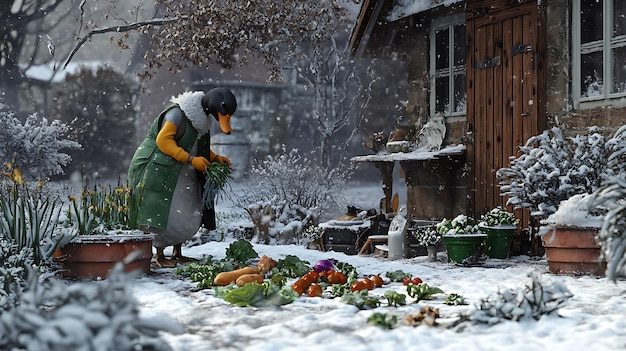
[{"x": 595, "y": 318}]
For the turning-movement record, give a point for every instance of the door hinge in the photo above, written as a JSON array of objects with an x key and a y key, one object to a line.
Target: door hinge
[
  {"x": 521, "y": 48},
  {"x": 488, "y": 63}
]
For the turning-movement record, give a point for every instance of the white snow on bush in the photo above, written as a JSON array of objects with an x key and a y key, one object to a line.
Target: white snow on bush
[{"x": 574, "y": 212}]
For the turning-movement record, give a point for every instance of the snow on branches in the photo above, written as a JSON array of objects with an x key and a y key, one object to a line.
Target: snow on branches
[
  {"x": 552, "y": 168},
  {"x": 35, "y": 145}
]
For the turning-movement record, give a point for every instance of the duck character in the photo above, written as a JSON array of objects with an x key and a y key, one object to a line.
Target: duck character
[{"x": 168, "y": 168}]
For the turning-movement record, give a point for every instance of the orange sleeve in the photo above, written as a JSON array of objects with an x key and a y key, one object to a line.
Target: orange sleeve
[{"x": 166, "y": 143}]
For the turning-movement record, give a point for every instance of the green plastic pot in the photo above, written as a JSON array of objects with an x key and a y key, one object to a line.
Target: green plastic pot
[
  {"x": 462, "y": 246},
  {"x": 499, "y": 239}
]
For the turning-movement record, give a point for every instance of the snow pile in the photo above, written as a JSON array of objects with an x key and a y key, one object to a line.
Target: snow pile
[
  {"x": 574, "y": 212},
  {"x": 404, "y": 8},
  {"x": 417, "y": 155},
  {"x": 81, "y": 316},
  {"x": 35, "y": 145}
]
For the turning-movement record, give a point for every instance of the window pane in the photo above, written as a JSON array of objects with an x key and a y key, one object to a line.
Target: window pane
[
  {"x": 442, "y": 43},
  {"x": 442, "y": 100},
  {"x": 619, "y": 17},
  {"x": 459, "y": 45},
  {"x": 459, "y": 93},
  {"x": 619, "y": 70},
  {"x": 591, "y": 20},
  {"x": 591, "y": 74}
]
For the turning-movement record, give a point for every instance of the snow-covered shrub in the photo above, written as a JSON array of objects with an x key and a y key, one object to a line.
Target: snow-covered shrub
[
  {"x": 531, "y": 302},
  {"x": 34, "y": 146},
  {"x": 497, "y": 216},
  {"x": 552, "y": 168},
  {"x": 612, "y": 235},
  {"x": 461, "y": 224},
  {"x": 289, "y": 192},
  {"x": 14, "y": 271},
  {"x": 427, "y": 235},
  {"x": 280, "y": 222},
  {"x": 81, "y": 316}
]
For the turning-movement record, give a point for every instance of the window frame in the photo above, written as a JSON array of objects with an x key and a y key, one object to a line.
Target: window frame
[
  {"x": 605, "y": 46},
  {"x": 441, "y": 23}
]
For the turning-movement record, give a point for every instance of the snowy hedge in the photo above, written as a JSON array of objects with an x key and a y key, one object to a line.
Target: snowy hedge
[
  {"x": 36, "y": 146},
  {"x": 81, "y": 316},
  {"x": 552, "y": 168}
]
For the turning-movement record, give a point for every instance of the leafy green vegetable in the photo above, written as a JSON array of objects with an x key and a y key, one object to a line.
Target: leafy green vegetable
[
  {"x": 395, "y": 299},
  {"x": 217, "y": 177},
  {"x": 347, "y": 269},
  {"x": 422, "y": 291},
  {"x": 291, "y": 267},
  {"x": 258, "y": 295},
  {"x": 397, "y": 276},
  {"x": 341, "y": 289},
  {"x": 361, "y": 299},
  {"x": 278, "y": 279},
  {"x": 240, "y": 251},
  {"x": 204, "y": 273},
  {"x": 455, "y": 300},
  {"x": 383, "y": 320}
]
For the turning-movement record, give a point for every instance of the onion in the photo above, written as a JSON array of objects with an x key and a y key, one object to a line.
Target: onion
[{"x": 323, "y": 265}]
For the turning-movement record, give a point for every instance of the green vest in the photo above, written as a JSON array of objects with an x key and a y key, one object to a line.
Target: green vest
[{"x": 156, "y": 173}]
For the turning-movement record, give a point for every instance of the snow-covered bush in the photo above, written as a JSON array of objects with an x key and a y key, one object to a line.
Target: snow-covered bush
[
  {"x": 289, "y": 192},
  {"x": 427, "y": 235},
  {"x": 552, "y": 168},
  {"x": 81, "y": 316},
  {"x": 535, "y": 300},
  {"x": 497, "y": 216},
  {"x": 14, "y": 271},
  {"x": 461, "y": 224},
  {"x": 612, "y": 235},
  {"x": 34, "y": 146}
]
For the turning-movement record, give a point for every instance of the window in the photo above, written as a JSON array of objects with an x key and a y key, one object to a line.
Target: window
[
  {"x": 447, "y": 66},
  {"x": 599, "y": 50}
]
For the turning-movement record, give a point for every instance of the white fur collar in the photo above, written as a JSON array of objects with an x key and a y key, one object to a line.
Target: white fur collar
[{"x": 191, "y": 104}]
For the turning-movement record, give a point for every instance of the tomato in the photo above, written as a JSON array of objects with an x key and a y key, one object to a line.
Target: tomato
[
  {"x": 300, "y": 286},
  {"x": 323, "y": 276},
  {"x": 378, "y": 281},
  {"x": 315, "y": 290},
  {"x": 342, "y": 277},
  {"x": 416, "y": 281},
  {"x": 358, "y": 286},
  {"x": 369, "y": 283},
  {"x": 310, "y": 277},
  {"x": 334, "y": 278},
  {"x": 406, "y": 280}
]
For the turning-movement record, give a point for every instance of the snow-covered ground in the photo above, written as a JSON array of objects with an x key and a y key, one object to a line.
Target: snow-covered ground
[{"x": 594, "y": 318}]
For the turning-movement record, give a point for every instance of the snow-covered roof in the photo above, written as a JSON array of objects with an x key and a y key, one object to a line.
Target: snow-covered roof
[
  {"x": 417, "y": 155},
  {"x": 45, "y": 71},
  {"x": 404, "y": 8}
]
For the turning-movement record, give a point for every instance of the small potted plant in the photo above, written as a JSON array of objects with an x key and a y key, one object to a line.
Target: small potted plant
[
  {"x": 500, "y": 226},
  {"x": 104, "y": 222},
  {"x": 425, "y": 234},
  {"x": 462, "y": 238}
]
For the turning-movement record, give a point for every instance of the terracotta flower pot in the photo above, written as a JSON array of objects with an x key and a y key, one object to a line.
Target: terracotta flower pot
[
  {"x": 573, "y": 251},
  {"x": 93, "y": 256}
]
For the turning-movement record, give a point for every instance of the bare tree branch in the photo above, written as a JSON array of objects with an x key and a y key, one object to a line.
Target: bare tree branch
[{"x": 118, "y": 29}]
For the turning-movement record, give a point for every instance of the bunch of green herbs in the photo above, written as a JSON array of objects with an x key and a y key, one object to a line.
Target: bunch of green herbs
[
  {"x": 291, "y": 267},
  {"x": 422, "y": 291},
  {"x": 218, "y": 175},
  {"x": 383, "y": 320},
  {"x": 240, "y": 251},
  {"x": 205, "y": 272},
  {"x": 361, "y": 299}
]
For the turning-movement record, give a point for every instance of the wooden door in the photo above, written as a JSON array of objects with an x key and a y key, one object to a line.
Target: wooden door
[{"x": 503, "y": 106}]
